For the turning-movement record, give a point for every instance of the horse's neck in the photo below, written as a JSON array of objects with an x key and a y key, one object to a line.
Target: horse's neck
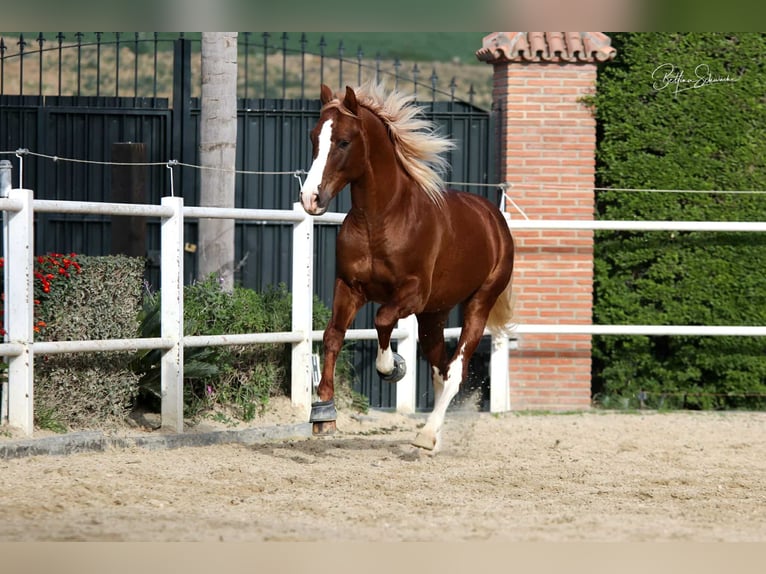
[
  {"x": 385, "y": 188},
  {"x": 378, "y": 192}
]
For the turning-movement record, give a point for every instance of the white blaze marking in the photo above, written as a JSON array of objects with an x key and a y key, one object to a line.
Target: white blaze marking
[
  {"x": 316, "y": 171},
  {"x": 385, "y": 360}
]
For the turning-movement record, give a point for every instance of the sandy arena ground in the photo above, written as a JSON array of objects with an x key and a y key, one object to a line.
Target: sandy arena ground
[{"x": 576, "y": 477}]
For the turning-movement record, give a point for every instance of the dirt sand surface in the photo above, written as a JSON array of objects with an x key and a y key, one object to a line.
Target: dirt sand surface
[{"x": 577, "y": 477}]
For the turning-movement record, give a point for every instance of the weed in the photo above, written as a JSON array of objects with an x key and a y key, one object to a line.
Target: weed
[{"x": 47, "y": 419}]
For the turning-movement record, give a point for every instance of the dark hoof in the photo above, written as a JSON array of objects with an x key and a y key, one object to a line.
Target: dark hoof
[
  {"x": 323, "y": 429},
  {"x": 400, "y": 369},
  {"x": 323, "y": 411}
]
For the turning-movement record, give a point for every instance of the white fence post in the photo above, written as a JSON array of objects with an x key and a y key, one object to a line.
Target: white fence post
[
  {"x": 499, "y": 390},
  {"x": 406, "y": 388},
  {"x": 303, "y": 299},
  {"x": 172, "y": 302},
  {"x": 5, "y": 190},
  {"x": 20, "y": 292}
]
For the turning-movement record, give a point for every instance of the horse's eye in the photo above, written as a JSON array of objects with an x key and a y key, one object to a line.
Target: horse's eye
[{"x": 343, "y": 144}]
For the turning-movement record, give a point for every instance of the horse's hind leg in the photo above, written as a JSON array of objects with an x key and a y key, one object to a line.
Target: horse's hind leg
[
  {"x": 475, "y": 319},
  {"x": 431, "y": 335}
]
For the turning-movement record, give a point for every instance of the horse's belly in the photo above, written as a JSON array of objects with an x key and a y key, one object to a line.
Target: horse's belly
[
  {"x": 449, "y": 282},
  {"x": 451, "y": 291},
  {"x": 458, "y": 274},
  {"x": 449, "y": 267}
]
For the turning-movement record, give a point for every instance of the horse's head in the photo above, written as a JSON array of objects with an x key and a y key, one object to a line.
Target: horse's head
[{"x": 339, "y": 151}]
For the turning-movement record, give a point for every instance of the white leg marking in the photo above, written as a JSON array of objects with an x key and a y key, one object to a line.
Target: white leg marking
[
  {"x": 316, "y": 171},
  {"x": 430, "y": 434},
  {"x": 438, "y": 381},
  {"x": 385, "y": 360}
]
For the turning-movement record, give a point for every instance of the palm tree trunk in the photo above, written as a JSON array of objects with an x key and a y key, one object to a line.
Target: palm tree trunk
[{"x": 218, "y": 140}]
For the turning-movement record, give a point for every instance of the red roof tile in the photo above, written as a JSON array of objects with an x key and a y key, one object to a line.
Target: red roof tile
[{"x": 553, "y": 47}]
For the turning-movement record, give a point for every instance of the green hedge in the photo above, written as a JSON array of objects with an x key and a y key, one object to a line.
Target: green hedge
[
  {"x": 86, "y": 390},
  {"x": 701, "y": 136}
]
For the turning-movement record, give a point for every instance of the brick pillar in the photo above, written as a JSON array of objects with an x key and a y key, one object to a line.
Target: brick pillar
[{"x": 547, "y": 144}]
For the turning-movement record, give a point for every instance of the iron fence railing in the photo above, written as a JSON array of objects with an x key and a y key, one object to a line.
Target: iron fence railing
[{"x": 271, "y": 65}]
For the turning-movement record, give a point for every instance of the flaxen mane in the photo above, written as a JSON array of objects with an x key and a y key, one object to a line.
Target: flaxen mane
[{"x": 416, "y": 142}]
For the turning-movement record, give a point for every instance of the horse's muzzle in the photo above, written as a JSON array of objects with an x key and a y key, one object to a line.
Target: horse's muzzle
[{"x": 313, "y": 204}]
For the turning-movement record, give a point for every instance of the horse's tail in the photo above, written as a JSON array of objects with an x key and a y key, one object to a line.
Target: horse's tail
[{"x": 500, "y": 320}]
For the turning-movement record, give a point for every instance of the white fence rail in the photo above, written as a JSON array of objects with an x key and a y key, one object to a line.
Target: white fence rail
[{"x": 19, "y": 347}]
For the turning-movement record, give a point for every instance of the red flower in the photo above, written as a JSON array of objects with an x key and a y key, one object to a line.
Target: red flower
[{"x": 48, "y": 269}]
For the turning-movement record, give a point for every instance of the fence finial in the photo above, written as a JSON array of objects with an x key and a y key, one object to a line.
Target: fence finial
[
  {"x": 170, "y": 165},
  {"x": 20, "y": 153}
]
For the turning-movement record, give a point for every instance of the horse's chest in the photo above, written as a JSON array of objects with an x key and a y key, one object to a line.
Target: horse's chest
[
  {"x": 366, "y": 265},
  {"x": 375, "y": 264}
]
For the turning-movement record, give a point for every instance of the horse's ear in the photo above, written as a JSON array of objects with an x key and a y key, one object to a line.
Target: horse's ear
[
  {"x": 350, "y": 101},
  {"x": 325, "y": 94}
]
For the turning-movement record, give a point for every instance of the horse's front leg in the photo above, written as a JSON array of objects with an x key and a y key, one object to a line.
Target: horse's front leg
[
  {"x": 346, "y": 302},
  {"x": 391, "y": 366}
]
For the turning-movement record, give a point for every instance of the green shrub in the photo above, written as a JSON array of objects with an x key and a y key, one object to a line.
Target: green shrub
[
  {"x": 708, "y": 137},
  {"x": 239, "y": 378}
]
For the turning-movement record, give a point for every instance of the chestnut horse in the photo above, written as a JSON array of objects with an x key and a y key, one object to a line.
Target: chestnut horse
[{"x": 407, "y": 243}]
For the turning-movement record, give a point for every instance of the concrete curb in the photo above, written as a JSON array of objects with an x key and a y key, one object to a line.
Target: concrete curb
[{"x": 95, "y": 441}]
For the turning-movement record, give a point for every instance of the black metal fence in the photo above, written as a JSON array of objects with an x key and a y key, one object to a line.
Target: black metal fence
[
  {"x": 92, "y": 94},
  {"x": 140, "y": 65}
]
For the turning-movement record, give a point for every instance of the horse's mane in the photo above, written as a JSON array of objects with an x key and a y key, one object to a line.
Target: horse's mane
[{"x": 417, "y": 144}]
